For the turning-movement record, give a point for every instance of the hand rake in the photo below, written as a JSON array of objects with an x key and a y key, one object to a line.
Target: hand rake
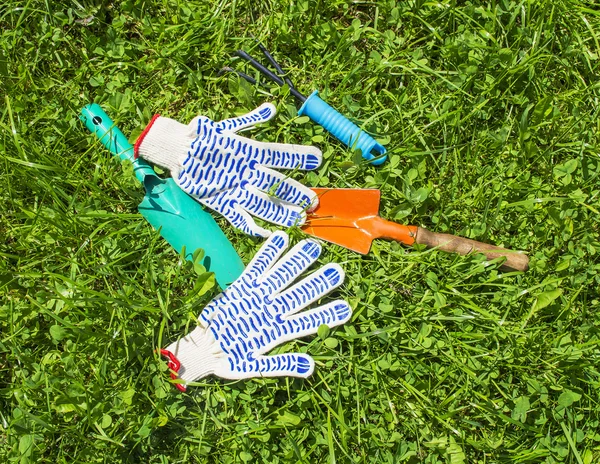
[{"x": 317, "y": 109}]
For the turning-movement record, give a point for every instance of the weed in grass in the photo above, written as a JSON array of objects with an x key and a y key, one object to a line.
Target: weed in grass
[{"x": 489, "y": 111}]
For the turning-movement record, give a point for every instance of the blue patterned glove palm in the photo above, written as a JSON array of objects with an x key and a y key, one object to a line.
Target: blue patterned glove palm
[
  {"x": 232, "y": 174},
  {"x": 259, "y": 311}
]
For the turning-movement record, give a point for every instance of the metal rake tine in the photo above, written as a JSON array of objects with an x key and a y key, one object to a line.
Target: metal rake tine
[
  {"x": 268, "y": 73},
  {"x": 239, "y": 73},
  {"x": 262, "y": 69},
  {"x": 275, "y": 64}
]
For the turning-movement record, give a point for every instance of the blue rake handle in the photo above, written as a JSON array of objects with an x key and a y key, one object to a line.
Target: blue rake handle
[{"x": 342, "y": 128}]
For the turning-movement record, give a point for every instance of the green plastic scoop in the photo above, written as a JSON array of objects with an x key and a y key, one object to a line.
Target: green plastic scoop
[{"x": 180, "y": 219}]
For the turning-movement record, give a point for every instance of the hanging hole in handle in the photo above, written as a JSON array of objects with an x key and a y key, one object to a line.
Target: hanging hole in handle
[
  {"x": 378, "y": 150},
  {"x": 377, "y": 154},
  {"x": 97, "y": 120}
]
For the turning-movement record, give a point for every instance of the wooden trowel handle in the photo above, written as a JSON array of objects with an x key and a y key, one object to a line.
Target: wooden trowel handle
[{"x": 453, "y": 244}]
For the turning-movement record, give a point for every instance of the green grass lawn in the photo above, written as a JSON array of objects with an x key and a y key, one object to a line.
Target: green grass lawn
[{"x": 489, "y": 111}]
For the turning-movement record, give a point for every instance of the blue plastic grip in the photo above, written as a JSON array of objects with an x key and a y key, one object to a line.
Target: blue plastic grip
[
  {"x": 100, "y": 124},
  {"x": 342, "y": 128}
]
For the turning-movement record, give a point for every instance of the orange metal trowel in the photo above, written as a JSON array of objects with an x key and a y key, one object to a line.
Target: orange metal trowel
[{"x": 350, "y": 218}]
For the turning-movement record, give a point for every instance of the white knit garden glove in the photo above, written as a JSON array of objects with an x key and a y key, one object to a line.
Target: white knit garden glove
[
  {"x": 258, "y": 312},
  {"x": 230, "y": 173}
]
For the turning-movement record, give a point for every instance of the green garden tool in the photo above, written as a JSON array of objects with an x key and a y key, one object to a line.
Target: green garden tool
[{"x": 180, "y": 219}]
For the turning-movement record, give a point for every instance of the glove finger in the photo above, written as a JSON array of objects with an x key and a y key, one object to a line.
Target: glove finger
[
  {"x": 294, "y": 263},
  {"x": 290, "y": 156},
  {"x": 310, "y": 289},
  {"x": 268, "y": 255},
  {"x": 285, "y": 364},
  {"x": 272, "y": 209},
  {"x": 261, "y": 114},
  {"x": 278, "y": 365},
  {"x": 231, "y": 209},
  {"x": 284, "y": 188},
  {"x": 278, "y": 155},
  {"x": 308, "y": 322}
]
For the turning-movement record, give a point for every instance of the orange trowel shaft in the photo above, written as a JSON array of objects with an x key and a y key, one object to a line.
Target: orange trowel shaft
[{"x": 381, "y": 228}]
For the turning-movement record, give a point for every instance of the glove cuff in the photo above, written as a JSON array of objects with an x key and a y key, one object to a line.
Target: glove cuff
[
  {"x": 164, "y": 142},
  {"x": 194, "y": 356}
]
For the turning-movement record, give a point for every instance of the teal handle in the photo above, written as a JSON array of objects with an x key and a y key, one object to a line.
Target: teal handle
[
  {"x": 342, "y": 128},
  {"x": 100, "y": 124}
]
